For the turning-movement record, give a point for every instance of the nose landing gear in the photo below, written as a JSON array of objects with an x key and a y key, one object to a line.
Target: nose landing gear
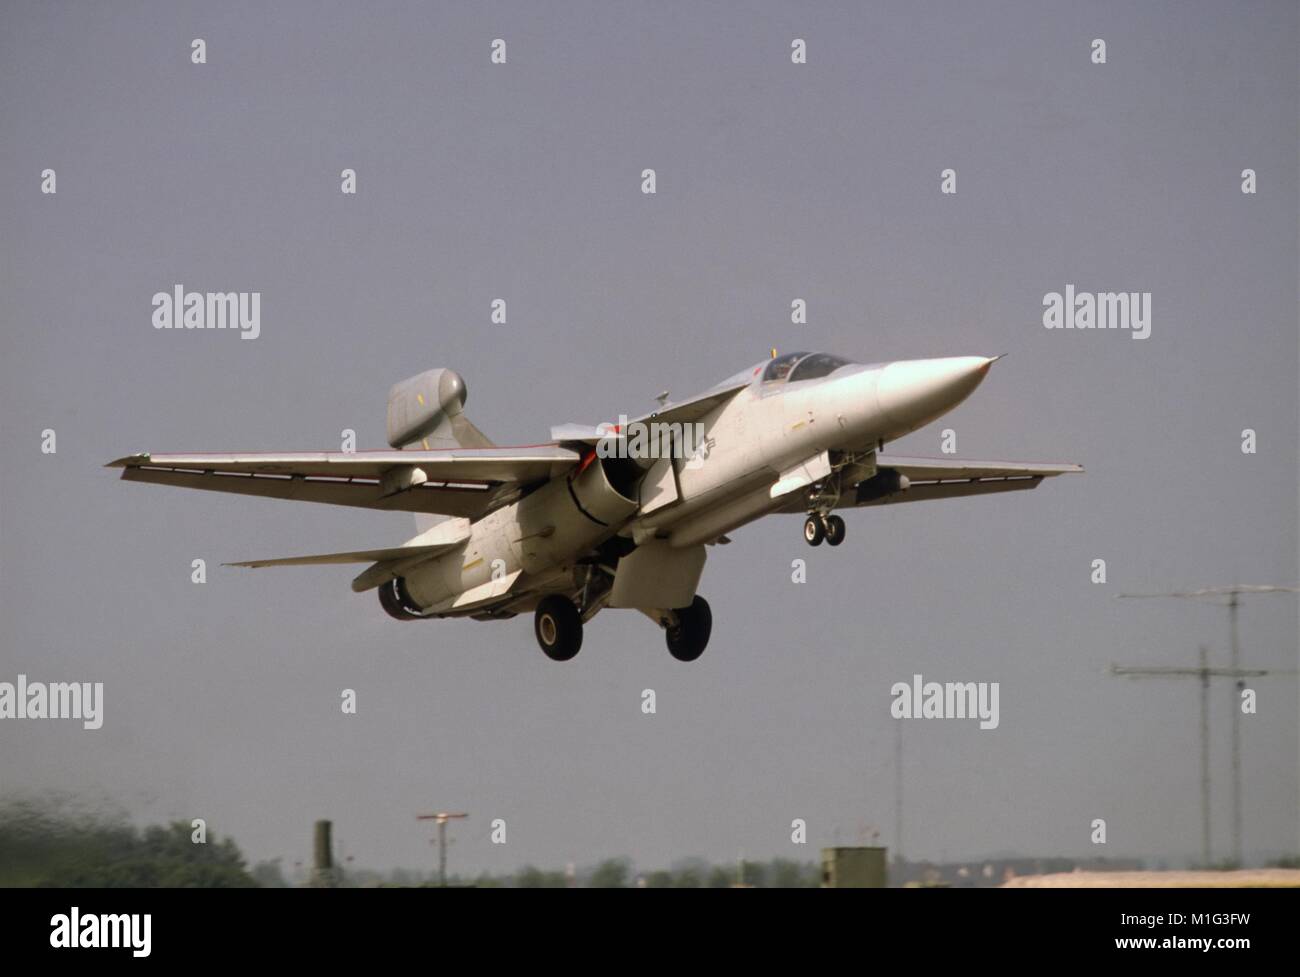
[
  {"x": 835, "y": 530},
  {"x": 813, "y": 530},
  {"x": 818, "y": 527}
]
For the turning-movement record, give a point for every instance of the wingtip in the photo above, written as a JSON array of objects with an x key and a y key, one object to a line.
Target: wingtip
[{"x": 130, "y": 461}]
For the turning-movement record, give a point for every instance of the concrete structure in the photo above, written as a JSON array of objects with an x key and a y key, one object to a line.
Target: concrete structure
[{"x": 854, "y": 868}]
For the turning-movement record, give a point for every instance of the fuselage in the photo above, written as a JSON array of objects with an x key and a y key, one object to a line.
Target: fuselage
[{"x": 797, "y": 419}]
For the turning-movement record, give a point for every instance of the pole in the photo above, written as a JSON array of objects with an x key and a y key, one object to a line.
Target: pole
[
  {"x": 1233, "y": 595},
  {"x": 322, "y": 875},
  {"x": 442, "y": 853},
  {"x": 441, "y": 818},
  {"x": 1204, "y": 673},
  {"x": 1233, "y": 601},
  {"x": 1205, "y": 759},
  {"x": 898, "y": 790}
]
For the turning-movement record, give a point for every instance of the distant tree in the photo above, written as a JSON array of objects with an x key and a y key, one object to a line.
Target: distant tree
[
  {"x": 408, "y": 877},
  {"x": 612, "y": 873},
  {"x": 41, "y": 845},
  {"x": 786, "y": 874},
  {"x": 753, "y": 873},
  {"x": 721, "y": 878},
  {"x": 690, "y": 873},
  {"x": 661, "y": 879},
  {"x": 269, "y": 875},
  {"x": 531, "y": 877}
]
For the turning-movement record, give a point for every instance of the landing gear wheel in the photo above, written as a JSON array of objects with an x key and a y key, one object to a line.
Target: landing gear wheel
[
  {"x": 558, "y": 627},
  {"x": 835, "y": 530},
  {"x": 688, "y": 639},
  {"x": 813, "y": 531}
]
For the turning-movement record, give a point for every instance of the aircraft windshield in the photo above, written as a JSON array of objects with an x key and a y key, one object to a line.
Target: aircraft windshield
[
  {"x": 816, "y": 365},
  {"x": 780, "y": 367}
]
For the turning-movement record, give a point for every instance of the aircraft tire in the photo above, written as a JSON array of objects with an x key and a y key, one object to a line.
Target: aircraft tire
[
  {"x": 813, "y": 531},
  {"x": 687, "y": 641},
  {"x": 835, "y": 530},
  {"x": 558, "y": 627}
]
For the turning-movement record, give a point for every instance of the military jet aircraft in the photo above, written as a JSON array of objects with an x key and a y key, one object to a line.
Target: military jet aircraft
[{"x": 616, "y": 515}]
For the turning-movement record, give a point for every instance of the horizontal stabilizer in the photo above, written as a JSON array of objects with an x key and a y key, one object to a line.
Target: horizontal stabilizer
[
  {"x": 440, "y": 538},
  {"x": 356, "y": 556}
]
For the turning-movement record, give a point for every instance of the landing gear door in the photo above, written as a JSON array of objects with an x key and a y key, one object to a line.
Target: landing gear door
[
  {"x": 658, "y": 575},
  {"x": 857, "y": 469},
  {"x": 659, "y": 486}
]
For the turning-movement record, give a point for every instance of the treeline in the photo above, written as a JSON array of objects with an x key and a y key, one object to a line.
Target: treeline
[
  {"x": 57, "y": 844},
  {"x": 619, "y": 873},
  {"x": 43, "y": 845},
  {"x": 691, "y": 873}
]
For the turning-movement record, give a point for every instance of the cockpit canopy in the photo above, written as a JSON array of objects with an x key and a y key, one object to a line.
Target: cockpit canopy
[{"x": 793, "y": 367}]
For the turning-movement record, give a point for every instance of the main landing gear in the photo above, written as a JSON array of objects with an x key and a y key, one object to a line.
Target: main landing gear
[
  {"x": 818, "y": 527},
  {"x": 689, "y": 636},
  {"x": 558, "y": 625}
]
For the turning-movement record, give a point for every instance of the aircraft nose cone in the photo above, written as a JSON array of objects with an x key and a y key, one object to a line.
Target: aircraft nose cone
[{"x": 911, "y": 393}]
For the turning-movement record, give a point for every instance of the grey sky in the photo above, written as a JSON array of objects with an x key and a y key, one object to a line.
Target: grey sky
[{"x": 775, "y": 181}]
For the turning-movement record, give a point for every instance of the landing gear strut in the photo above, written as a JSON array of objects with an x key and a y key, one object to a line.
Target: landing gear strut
[
  {"x": 688, "y": 638},
  {"x": 818, "y": 527},
  {"x": 558, "y": 626}
]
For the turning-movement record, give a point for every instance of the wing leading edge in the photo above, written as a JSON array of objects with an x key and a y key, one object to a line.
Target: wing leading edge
[
  {"x": 454, "y": 482},
  {"x": 937, "y": 478}
]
